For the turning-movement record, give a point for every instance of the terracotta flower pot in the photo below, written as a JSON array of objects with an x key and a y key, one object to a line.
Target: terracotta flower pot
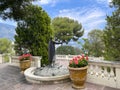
[
  {"x": 25, "y": 64},
  {"x": 78, "y": 76}
]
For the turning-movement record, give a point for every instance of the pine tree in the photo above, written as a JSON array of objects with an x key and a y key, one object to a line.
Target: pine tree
[
  {"x": 112, "y": 33},
  {"x": 34, "y": 32},
  {"x": 66, "y": 29},
  {"x": 14, "y": 9}
]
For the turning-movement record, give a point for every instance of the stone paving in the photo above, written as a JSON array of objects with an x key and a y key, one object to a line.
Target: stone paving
[{"x": 12, "y": 79}]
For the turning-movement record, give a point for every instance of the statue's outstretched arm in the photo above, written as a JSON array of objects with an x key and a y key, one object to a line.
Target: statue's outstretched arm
[{"x": 57, "y": 42}]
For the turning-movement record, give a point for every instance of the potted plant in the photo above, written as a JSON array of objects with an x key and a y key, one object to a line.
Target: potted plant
[
  {"x": 78, "y": 70},
  {"x": 25, "y": 61}
]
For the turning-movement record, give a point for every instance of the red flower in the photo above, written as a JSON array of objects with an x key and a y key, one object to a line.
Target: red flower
[{"x": 25, "y": 57}]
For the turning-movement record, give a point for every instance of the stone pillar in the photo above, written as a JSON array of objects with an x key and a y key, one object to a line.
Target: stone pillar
[
  {"x": 1, "y": 58},
  {"x": 36, "y": 62},
  {"x": 10, "y": 59},
  {"x": 118, "y": 77},
  {"x": 39, "y": 62}
]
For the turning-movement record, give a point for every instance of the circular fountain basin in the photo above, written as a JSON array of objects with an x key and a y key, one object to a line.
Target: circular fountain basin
[{"x": 30, "y": 77}]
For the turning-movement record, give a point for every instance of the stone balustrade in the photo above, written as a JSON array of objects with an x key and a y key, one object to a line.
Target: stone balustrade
[
  {"x": 99, "y": 71},
  {"x": 104, "y": 72},
  {"x": 68, "y": 57},
  {"x": 36, "y": 61}
]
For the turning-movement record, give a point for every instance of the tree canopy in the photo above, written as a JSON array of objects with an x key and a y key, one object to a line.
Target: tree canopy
[
  {"x": 68, "y": 50},
  {"x": 33, "y": 33},
  {"x": 66, "y": 29},
  {"x": 112, "y": 33},
  {"x": 5, "y": 46},
  {"x": 14, "y": 9},
  {"x": 94, "y": 44}
]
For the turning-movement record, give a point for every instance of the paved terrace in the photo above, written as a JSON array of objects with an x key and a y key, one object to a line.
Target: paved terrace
[{"x": 12, "y": 79}]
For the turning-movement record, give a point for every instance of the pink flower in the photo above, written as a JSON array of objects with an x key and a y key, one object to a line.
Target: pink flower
[
  {"x": 86, "y": 57},
  {"x": 71, "y": 61},
  {"x": 83, "y": 56},
  {"x": 75, "y": 59},
  {"x": 79, "y": 61},
  {"x": 79, "y": 57}
]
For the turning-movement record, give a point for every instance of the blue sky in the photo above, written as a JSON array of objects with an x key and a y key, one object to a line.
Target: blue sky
[{"x": 90, "y": 13}]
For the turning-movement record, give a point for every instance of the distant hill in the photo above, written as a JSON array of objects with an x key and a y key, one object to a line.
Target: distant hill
[{"x": 7, "y": 31}]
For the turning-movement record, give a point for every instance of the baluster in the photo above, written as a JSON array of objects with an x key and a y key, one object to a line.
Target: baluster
[
  {"x": 106, "y": 72},
  {"x": 102, "y": 71},
  {"x": 102, "y": 75},
  {"x": 112, "y": 72},
  {"x": 94, "y": 69},
  {"x": 97, "y": 70},
  {"x": 115, "y": 78},
  {"x": 91, "y": 69}
]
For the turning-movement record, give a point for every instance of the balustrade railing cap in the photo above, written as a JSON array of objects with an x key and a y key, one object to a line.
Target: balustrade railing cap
[
  {"x": 39, "y": 57},
  {"x": 107, "y": 63},
  {"x": 32, "y": 56}
]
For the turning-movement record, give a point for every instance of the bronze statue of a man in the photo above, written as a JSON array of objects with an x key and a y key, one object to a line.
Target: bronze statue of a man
[{"x": 51, "y": 50}]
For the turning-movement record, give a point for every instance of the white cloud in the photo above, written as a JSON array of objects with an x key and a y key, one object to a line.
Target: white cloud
[
  {"x": 9, "y": 22},
  {"x": 109, "y": 0},
  {"x": 91, "y": 18},
  {"x": 44, "y": 2},
  {"x": 102, "y": 1},
  {"x": 105, "y": 2},
  {"x": 50, "y": 2}
]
